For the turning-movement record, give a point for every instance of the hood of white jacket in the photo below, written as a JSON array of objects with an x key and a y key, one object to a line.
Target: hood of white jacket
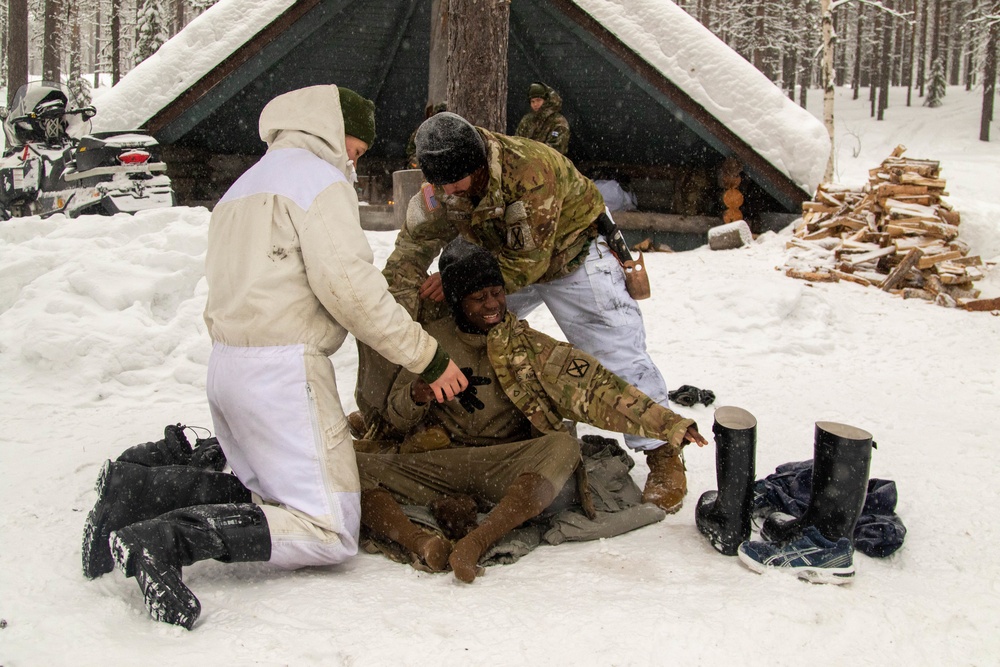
[{"x": 308, "y": 118}]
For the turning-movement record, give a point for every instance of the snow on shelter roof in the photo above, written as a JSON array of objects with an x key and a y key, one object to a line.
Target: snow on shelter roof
[
  {"x": 684, "y": 52},
  {"x": 722, "y": 82}
]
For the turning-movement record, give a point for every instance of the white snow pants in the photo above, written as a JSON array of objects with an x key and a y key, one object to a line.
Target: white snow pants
[
  {"x": 278, "y": 418},
  {"x": 595, "y": 312}
]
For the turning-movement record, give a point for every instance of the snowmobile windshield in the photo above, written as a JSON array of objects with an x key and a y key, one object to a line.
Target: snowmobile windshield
[{"x": 39, "y": 112}]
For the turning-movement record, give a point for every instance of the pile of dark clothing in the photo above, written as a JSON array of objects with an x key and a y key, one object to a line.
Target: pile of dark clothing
[{"x": 878, "y": 533}]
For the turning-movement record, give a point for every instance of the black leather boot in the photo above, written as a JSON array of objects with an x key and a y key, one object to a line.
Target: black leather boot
[
  {"x": 723, "y": 516},
  {"x": 154, "y": 552},
  {"x": 841, "y": 462},
  {"x": 127, "y": 492}
]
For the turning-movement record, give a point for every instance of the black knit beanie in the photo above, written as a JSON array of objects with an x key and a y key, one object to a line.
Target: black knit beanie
[
  {"x": 467, "y": 268},
  {"x": 359, "y": 115},
  {"x": 449, "y": 148}
]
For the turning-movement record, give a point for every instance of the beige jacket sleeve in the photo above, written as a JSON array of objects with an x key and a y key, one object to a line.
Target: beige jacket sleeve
[{"x": 340, "y": 270}]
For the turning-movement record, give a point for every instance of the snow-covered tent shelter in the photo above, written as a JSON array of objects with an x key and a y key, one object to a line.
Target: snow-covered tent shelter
[{"x": 650, "y": 94}]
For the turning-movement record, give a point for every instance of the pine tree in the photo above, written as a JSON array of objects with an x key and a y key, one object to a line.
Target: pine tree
[
  {"x": 79, "y": 90},
  {"x": 939, "y": 83},
  {"x": 150, "y": 29}
]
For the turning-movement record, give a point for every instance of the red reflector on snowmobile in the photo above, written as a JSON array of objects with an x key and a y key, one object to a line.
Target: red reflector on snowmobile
[{"x": 133, "y": 157}]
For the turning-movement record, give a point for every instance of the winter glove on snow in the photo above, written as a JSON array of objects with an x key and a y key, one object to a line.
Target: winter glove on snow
[
  {"x": 467, "y": 398},
  {"x": 685, "y": 395}
]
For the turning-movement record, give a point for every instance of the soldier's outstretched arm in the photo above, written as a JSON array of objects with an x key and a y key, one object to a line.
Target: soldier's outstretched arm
[{"x": 581, "y": 388}]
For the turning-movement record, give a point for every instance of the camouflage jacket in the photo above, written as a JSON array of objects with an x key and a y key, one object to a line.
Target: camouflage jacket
[
  {"x": 535, "y": 381},
  {"x": 537, "y": 218},
  {"x": 546, "y": 125}
]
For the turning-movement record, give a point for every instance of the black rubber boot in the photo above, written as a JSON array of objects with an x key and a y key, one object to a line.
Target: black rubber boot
[
  {"x": 154, "y": 552},
  {"x": 173, "y": 450},
  {"x": 841, "y": 462},
  {"x": 127, "y": 493},
  {"x": 723, "y": 516}
]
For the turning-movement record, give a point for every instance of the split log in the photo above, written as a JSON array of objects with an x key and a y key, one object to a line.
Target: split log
[
  {"x": 929, "y": 261},
  {"x": 902, "y": 269},
  {"x": 982, "y": 305},
  {"x": 735, "y": 234},
  {"x": 812, "y": 276}
]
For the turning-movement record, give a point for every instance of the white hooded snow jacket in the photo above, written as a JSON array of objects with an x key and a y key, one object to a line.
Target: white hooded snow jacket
[
  {"x": 290, "y": 274},
  {"x": 287, "y": 261}
]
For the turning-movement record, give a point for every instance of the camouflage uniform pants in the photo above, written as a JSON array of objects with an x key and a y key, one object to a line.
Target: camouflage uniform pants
[{"x": 485, "y": 472}]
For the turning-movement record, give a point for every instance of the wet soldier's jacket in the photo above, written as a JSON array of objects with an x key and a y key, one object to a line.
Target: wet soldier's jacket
[
  {"x": 538, "y": 378},
  {"x": 537, "y": 218}
]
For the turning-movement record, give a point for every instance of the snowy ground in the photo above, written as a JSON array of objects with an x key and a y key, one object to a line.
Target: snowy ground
[{"x": 102, "y": 344}]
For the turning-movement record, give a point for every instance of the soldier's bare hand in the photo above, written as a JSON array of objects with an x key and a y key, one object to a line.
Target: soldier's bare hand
[
  {"x": 421, "y": 392},
  {"x": 692, "y": 435},
  {"x": 432, "y": 288},
  {"x": 451, "y": 382}
]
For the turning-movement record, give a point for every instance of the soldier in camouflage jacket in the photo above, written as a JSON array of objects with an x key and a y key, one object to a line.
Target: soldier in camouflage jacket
[
  {"x": 544, "y": 122},
  {"x": 537, "y": 215},
  {"x": 525, "y": 385}
]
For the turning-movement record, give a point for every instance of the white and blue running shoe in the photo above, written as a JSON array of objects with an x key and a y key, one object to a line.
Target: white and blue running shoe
[{"x": 810, "y": 556}]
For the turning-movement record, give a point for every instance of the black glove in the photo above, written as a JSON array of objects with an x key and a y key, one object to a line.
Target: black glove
[
  {"x": 467, "y": 398},
  {"x": 208, "y": 455},
  {"x": 685, "y": 395}
]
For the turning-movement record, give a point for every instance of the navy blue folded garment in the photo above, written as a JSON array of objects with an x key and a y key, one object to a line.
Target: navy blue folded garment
[{"x": 879, "y": 531}]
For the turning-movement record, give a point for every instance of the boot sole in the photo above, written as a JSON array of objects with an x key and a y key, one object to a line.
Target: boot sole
[
  {"x": 96, "y": 553},
  {"x": 814, "y": 575},
  {"x": 157, "y": 592}
]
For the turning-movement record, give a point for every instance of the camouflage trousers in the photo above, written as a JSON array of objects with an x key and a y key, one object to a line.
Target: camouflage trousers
[{"x": 483, "y": 472}]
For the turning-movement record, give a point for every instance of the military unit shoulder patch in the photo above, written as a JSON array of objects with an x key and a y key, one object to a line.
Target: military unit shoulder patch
[
  {"x": 520, "y": 236},
  {"x": 577, "y": 367}
]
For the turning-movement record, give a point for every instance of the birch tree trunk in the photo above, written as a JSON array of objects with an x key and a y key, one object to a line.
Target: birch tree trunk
[
  {"x": 856, "y": 80},
  {"x": 886, "y": 64},
  {"x": 990, "y": 74},
  {"x": 829, "y": 88},
  {"x": 909, "y": 58}
]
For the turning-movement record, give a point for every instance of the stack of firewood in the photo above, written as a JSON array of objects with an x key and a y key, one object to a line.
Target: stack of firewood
[{"x": 896, "y": 233}]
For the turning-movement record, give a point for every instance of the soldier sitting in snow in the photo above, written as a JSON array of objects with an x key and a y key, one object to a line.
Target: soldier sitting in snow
[
  {"x": 538, "y": 216},
  {"x": 506, "y": 439}
]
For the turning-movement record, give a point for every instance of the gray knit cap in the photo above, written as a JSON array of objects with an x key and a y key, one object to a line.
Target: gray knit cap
[{"x": 449, "y": 148}]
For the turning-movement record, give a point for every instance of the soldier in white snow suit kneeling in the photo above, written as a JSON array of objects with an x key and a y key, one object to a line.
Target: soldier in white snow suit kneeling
[{"x": 289, "y": 274}]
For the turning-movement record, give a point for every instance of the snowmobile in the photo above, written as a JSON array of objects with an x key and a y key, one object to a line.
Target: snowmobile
[{"x": 52, "y": 162}]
